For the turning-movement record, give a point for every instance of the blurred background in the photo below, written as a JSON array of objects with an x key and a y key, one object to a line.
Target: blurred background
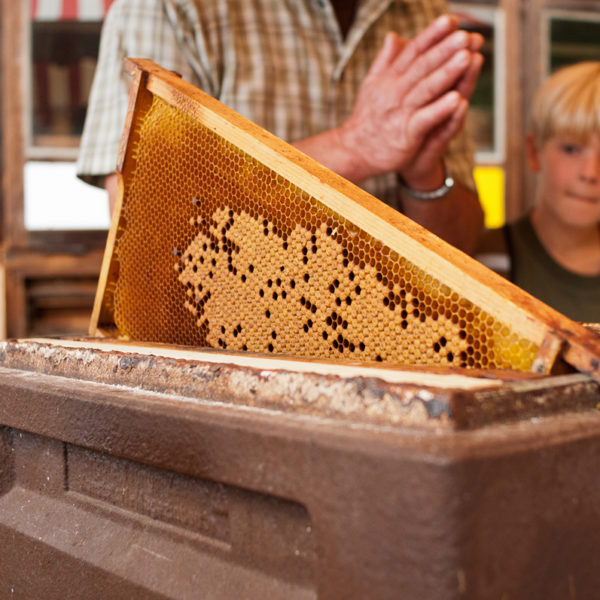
[{"x": 54, "y": 226}]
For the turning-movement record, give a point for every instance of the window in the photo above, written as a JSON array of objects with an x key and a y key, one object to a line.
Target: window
[
  {"x": 570, "y": 37},
  {"x": 63, "y": 59},
  {"x": 64, "y": 37},
  {"x": 486, "y": 114}
]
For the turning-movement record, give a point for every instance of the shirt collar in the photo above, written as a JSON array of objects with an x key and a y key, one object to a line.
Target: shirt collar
[{"x": 368, "y": 12}]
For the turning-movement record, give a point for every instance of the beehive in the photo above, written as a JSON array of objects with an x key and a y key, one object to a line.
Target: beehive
[{"x": 227, "y": 237}]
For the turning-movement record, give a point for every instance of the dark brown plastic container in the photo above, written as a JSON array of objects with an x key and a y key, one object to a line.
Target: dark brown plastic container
[{"x": 144, "y": 473}]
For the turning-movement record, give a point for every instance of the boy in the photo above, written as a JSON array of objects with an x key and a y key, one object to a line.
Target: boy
[{"x": 554, "y": 251}]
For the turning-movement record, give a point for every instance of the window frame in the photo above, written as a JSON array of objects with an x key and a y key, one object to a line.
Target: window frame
[
  {"x": 496, "y": 156},
  {"x": 564, "y": 15}
]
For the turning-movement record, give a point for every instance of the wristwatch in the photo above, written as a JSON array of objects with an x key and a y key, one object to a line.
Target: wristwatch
[{"x": 440, "y": 192}]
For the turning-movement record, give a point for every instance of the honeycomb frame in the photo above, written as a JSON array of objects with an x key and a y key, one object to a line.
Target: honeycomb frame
[{"x": 226, "y": 237}]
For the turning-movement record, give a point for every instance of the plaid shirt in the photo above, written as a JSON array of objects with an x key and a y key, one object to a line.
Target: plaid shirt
[{"x": 283, "y": 65}]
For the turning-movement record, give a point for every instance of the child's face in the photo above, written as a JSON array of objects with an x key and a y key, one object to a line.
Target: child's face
[{"x": 569, "y": 179}]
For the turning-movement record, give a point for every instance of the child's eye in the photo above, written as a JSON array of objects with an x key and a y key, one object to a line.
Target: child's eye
[{"x": 569, "y": 148}]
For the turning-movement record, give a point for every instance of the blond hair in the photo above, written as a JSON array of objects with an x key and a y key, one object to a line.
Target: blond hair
[{"x": 568, "y": 104}]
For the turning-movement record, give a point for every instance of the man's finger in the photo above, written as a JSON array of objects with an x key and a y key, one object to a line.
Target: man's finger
[
  {"x": 429, "y": 37},
  {"x": 466, "y": 84},
  {"x": 436, "y": 142},
  {"x": 439, "y": 81},
  {"x": 476, "y": 42},
  {"x": 436, "y": 59},
  {"x": 393, "y": 45},
  {"x": 438, "y": 139},
  {"x": 424, "y": 120}
]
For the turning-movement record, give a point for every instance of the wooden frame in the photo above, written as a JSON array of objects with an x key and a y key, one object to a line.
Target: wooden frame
[
  {"x": 48, "y": 147},
  {"x": 13, "y": 111},
  {"x": 497, "y": 155},
  {"x": 25, "y": 268},
  {"x": 512, "y": 129},
  {"x": 553, "y": 333}
]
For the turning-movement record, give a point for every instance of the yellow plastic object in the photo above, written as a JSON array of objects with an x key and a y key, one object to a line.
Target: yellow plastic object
[{"x": 490, "y": 186}]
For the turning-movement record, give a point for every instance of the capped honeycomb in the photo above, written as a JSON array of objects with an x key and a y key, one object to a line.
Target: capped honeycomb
[{"x": 214, "y": 248}]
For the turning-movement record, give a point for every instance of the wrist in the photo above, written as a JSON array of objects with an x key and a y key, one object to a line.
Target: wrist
[
  {"x": 355, "y": 167},
  {"x": 424, "y": 180},
  {"x": 431, "y": 188}
]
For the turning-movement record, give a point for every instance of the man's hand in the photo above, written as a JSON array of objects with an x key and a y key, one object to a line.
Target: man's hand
[{"x": 412, "y": 102}]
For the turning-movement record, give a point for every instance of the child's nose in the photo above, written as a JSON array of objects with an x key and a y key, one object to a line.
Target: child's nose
[{"x": 591, "y": 167}]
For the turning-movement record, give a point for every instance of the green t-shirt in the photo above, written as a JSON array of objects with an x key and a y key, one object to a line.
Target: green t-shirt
[{"x": 534, "y": 270}]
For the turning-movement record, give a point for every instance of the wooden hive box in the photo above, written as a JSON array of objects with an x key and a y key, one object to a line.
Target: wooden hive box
[{"x": 150, "y": 472}]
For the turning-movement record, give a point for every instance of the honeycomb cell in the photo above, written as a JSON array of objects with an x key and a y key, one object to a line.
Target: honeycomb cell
[{"x": 215, "y": 249}]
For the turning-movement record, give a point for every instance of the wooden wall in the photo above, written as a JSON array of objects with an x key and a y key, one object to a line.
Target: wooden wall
[{"x": 49, "y": 276}]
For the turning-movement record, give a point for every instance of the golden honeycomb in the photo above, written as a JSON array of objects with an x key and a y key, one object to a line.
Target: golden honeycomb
[{"x": 215, "y": 249}]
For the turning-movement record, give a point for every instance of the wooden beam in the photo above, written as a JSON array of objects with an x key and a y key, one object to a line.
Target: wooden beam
[
  {"x": 14, "y": 57},
  {"x": 443, "y": 378}
]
